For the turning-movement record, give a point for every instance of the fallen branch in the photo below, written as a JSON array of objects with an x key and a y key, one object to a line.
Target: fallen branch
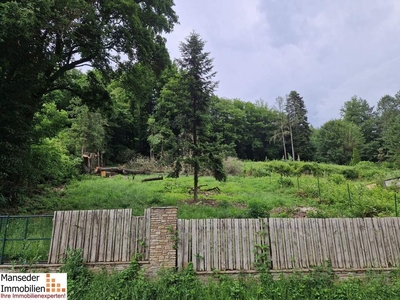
[
  {"x": 119, "y": 170},
  {"x": 152, "y": 179},
  {"x": 214, "y": 189}
]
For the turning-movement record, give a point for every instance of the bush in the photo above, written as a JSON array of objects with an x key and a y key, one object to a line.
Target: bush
[
  {"x": 350, "y": 174},
  {"x": 233, "y": 166},
  {"x": 337, "y": 178},
  {"x": 285, "y": 182},
  {"x": 257, "y": 210}
]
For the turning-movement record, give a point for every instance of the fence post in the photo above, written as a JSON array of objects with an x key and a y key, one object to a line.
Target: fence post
[
  {"x": 348, "y": 192},
  {"x": 162, "y": 244},
  {"x": 4, "y": 241}
]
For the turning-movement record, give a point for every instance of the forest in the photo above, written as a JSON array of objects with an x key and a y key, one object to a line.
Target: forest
[{"x": 95, "y": 77}]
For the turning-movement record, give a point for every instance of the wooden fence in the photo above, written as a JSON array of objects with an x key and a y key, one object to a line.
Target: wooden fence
[
  {"x": 103, "y": 235},
  {"x": 220, "y": 244},
  {"x": 346, "y": 243},
  {"x": 229, "y": 244}
]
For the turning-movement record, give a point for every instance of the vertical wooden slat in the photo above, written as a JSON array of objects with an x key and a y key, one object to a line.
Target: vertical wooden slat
[
  {"x": 201, "y": 246},
  {"x": 56, "y": 237},
  {"x": 88, "y": 236},
  {"x": 380, "y": 242},
  {"x": 103, "y": 235},
  {"x": 370, "y": 232},
  {"x": 319, "y": 242},
  {"x": 126, "y": 235},
  {"x": 252, "y": 241},
  {"x": 94, "y": 247},
  {"x": 230, "y": 243},
  {"x": 245, "y": 243},
  {"x": 302, "y": 244},
  {"x": 215, "y": 232},
  {"x": 73, "y": 230},
  {"x": 134, "y": 238},
  {"x": 281, "y": 242},
  {"x": 111, "y": 236},
  {"x": 331, "y": 243},
  {"x": 324, "y": 242},
  {"x": 181, "y": 240},
  {"x": 209, "y": 245},
  {"x": 344, "y": 234},
  {"x": 188, "y": 242},
  {"x": 274, "y": 246},
  {"x": 390, "y": 235},
  {"x": 65, "y": 233},
  {"x": 395, "y": 225},
  {"x": 365, "y": 242},
  {"x": 353, "y": 251},
  {"x": 222, "y": 238},
  {"x": 80, "y": 239},
  {"x": 194, "y": 244},
  {"x": 238, "y": 244}
]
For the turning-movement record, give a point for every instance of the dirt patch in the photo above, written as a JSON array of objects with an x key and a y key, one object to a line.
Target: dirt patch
[{"x": 293, "y": 212}]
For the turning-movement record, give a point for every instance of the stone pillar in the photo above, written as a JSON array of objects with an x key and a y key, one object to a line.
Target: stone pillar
[{"x": 162, "y": 244}]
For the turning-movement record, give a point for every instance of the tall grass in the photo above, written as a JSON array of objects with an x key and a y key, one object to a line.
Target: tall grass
[
  {"x": 169, "y": 284},
  {"x": 281, "y": 187}
]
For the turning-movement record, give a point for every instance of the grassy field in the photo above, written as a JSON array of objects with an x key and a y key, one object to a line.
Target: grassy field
[
  {"x": 262, "y": 189},
  {"x": 276, "y": 189}
]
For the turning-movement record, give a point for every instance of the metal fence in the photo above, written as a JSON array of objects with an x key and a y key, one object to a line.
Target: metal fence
[{"x": 25, "y": 239}]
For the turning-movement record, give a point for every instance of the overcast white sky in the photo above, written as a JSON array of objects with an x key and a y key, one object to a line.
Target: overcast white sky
[{"x": 328, "y": 51}]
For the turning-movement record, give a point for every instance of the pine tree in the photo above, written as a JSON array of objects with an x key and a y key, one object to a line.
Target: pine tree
[
  {"x": 184, "y": 108},
  {"x": 299, "y": 128}
]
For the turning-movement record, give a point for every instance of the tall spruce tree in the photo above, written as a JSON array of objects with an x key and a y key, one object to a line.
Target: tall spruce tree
[
  {"x": 299, "y": 128},
  {"x": 184, "y": 107}
]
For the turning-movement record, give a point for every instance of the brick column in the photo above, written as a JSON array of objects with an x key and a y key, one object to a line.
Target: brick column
[{"x": 162, "y": 248}]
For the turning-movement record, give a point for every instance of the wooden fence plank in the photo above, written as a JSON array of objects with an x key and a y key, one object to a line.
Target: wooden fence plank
[
  {"x": 195, "y": 238},
  {"x": 351, "y": 224},
  {"x": 111, "y": 236},
  {"x": 370, "y": 233},
  {"x": 209, "y": 246},
  {"x": 65, "y": 233},
  {"x": 56, "y": 237},
  {"x": 126, "y": 234},
  {"x": 380, "y": 242},
  {"x": 331, "y": 243},
  {"x": 273, "y": 246},
  {"x": 216, "y": 246},
  {"x": 345, "y": 242},
  {"x": 252, "y": 241},
  {"x": 93, "y": 248}
]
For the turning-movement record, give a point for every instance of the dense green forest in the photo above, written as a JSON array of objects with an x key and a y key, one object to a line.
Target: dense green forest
[{"x": 82, "y": 77}]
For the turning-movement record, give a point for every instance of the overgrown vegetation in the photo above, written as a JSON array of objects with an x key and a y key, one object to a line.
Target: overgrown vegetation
[{"x": 131, "y": 283}]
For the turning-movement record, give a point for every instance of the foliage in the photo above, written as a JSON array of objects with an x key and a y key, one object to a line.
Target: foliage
[
  {"x": 335, "y": 141},
  {"x": 233, "y": 166},
  {"x": 319, "y": 283},
  {"x": 257, "y": 210},
  {"x": 79, "y": 277},
  {"x": 299, "y": 128},
  {"x": 42, "y": 41}
]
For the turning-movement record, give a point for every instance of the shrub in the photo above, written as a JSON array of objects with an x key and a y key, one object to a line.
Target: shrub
[
  {"x": 285, "y": 182},
  {"x": 257, "y": 210},
  {"x": 337, "y": 178},
  {"x": 233, "y": 166},
  {"x": 350, "y": 174}
]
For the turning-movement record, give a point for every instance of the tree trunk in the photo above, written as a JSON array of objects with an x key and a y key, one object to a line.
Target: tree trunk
[
  {"x": 284, "y": 144},
  {"x": 123, "y": 171},
  {"x": 291, "y": 141},
  {"x": 152, "y": 179}
]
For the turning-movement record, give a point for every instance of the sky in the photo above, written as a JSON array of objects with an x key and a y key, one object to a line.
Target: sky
[{"x": 327, "y": 51}]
